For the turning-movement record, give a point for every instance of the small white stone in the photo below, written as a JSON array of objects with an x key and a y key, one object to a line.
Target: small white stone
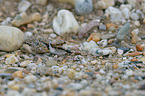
[
  {"x": 11, "y": 60},
  {"x": 126, "y": 13},
  {"x": 65, "y": 23},
  {"x": 116, "y": 14},
  {"x": 53, "y": 35},
  {"x": 30, "y": 79},
  {"x": 23, "y": 6},
  {"x": 28, "y": 34},
  {"x": 94, "y": 61},
  {"x": 134, "y": 16},
  {"x": 120, "y": 52},
  {"x": 137, "y": 23},
  {"x": 129, "y": 72},
  {"x": 102, "y": 71},
  {"x": 25, "y": 63},
  {"x": 132, "y": 2},
  {"x": 125, "y": 6},
  {"x": 50, "y": 8},
  {"x": 103, "y": 42}
]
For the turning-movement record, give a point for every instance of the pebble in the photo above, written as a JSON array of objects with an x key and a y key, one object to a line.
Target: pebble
[
  {"x": 83, "y": 7},
  {"x": 102, "y": 27},
  {"x": 25, "y": 63},
  {"x": 63, "y": 18},
  {"x": 143, "y": 37},
  {"x": 125, "y": 49},
  {"x": 126, "y": 13},
  {"x": 30, "y": 79},
  {"x": 124, "y": 31},
  {"x": 51, "y": 63},
  {"x": 120, "y": 52},
  {"x": 23, "y": 6},
  {"x": 18, "y": 74},
  {"x": 142, "y": 59},
  {"x": 139, "y": 47},
  {"x": 132, "y": 2},
  {"x": 103, "y": 4},
  {"x": 107, "y": 36},
  {"x": 137, "y": 23},
  {"x": 134, "y": 53},
  {"x": 108, "y": 25},
  {"x": 74, "y": 86},
  {"x": 116, "y": 15},
  {"x": 135, "y": 38},
  {"x": 11, "y": 38},
  {"x": 129, "y": 72},
  {"x": 106, "y": 51},
  {"x": 11, "y": 60},
  {"x": 95, "y": 37},
  {"x": 23, "y": 19},
  {"x": 134, "y": 16},
  {"x": 144, "y": 20},
  {"x": 12, "y": 69},
  {"x": 41, "y": 2}
]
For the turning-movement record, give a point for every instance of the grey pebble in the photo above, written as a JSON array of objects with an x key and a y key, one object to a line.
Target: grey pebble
[
  {"x": 124, "y": 31},
  {"x": 83, "y": 7},
  {"x": 102, "y": 27}
]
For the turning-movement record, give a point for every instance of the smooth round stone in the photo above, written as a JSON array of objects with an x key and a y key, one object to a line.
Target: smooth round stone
[
  {"x": 11, "y": 38},
  {"x": 83, "y": 7}
]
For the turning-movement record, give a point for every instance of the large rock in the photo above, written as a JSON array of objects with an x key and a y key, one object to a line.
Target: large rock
[{"x": 11, "y": 38}]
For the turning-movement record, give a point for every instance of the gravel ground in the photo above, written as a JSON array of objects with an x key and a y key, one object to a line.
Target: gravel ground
[{"x": 105, "y": 56}]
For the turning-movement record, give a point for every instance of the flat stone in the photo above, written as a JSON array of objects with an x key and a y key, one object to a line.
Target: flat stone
[
  {"x": 107, "y": 36},
  {"x": 11, "y": 38},
  {"x": 124, "y": 31}
]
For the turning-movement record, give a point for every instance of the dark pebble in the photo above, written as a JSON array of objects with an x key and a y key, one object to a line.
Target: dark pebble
[
  {"x": 135, "y": 62},
  {"x": 59, "y": 88}
]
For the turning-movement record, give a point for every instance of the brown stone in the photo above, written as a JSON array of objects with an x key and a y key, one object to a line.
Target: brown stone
[
  {"x": 134, "y": 59},
  {"x": 108, "y": 25},
  {"x": 18, "y": 74},
  {"x": 134, "y": 53},
  {"x": 95, "y": 37},
  {"x": 139, "y": 47}
]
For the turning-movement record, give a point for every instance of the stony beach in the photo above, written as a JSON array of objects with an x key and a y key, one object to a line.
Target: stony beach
[{"x": 72, "y": 48}]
